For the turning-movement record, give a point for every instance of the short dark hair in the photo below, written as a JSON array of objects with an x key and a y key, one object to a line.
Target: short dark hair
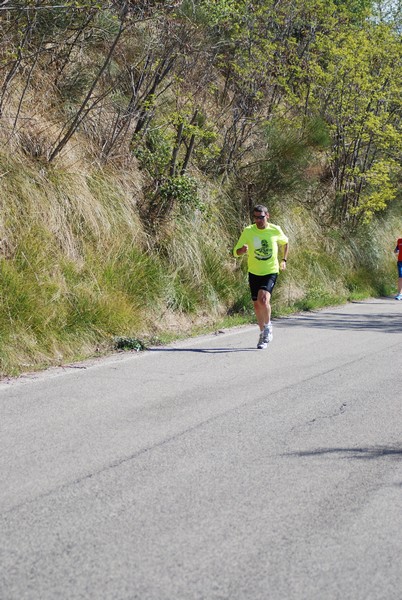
[{"x": 260, "y": 208}]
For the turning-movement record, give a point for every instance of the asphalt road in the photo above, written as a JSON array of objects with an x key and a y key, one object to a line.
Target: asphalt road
[{"x": 210, "y": 470}]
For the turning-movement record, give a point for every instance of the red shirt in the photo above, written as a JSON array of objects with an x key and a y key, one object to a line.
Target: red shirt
[{"x": 399, "y": 247}]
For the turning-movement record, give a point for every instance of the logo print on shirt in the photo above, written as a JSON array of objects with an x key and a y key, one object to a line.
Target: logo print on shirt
[{"x": 262, "y": 251}]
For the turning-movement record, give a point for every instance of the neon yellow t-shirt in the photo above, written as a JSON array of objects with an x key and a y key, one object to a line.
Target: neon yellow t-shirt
[{"x": 262, "y": 245}]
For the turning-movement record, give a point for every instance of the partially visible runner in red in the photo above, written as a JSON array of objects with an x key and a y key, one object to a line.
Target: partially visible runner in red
[{"x": 398, "y": 251}]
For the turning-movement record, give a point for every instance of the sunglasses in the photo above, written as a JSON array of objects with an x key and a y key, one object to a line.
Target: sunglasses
[{"x": 259, "y": 217}]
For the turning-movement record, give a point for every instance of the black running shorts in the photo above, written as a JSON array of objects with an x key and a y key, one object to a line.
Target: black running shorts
[{"x": 261, "y": 282}]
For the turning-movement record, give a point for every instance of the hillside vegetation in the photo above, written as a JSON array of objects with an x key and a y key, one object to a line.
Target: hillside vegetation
[{"x": 135, "y": 137}]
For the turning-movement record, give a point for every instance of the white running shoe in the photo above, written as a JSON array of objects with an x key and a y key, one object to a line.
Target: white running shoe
[
  {"x": 262, "y": 344},
  {"x": 398, "y": 297},
  {"x": 268, "y": 336}
]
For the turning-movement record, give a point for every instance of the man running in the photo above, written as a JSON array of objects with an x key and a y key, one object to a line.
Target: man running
[{"x": 261, "y": 241}]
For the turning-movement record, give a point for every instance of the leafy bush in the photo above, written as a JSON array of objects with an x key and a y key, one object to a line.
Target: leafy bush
[{"x": 182, "y": 189}]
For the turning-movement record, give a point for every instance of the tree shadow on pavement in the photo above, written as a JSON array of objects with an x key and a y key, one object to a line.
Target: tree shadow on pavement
[
  {"x": 388, "y": 323},
  {"x": 365, "y": 453}
]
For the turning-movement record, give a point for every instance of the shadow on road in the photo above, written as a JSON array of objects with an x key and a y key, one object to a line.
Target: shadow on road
[
  {"x": 203, "y": 350},
  {"x": 389, "y": 323},
  {"x": 367, "y": 453}
]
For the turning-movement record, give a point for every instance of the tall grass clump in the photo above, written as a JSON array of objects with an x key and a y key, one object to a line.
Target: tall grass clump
[
  {"x": 80, "y": 269},
  {"x": 201, "y": 270},
  {"x": 59, "y": 242}
]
